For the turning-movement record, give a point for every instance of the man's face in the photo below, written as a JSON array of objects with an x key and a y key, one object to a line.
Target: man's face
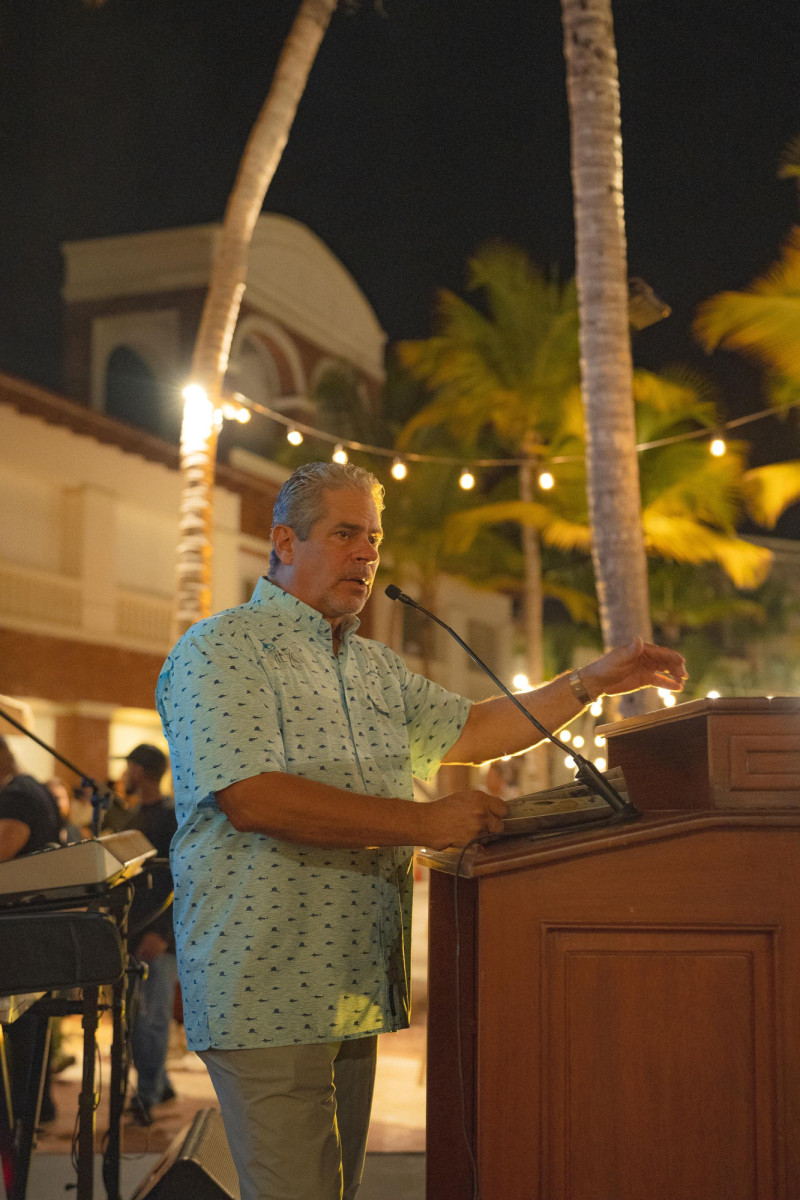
[
  {"x": 334, "y": 569},
  {"x": 131, "y": 778}
]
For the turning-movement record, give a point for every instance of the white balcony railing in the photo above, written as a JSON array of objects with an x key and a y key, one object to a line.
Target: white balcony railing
[
  {"x": 144, "y": 618},
  {"x": 46, "y": 601},
  {"x": 42, "y": 597}
]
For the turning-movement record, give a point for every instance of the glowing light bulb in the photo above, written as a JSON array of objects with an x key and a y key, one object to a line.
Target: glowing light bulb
[
  {"x": 193, "y": 392},
  {"x": 546, "y": 481},
  {"x": 578, "y": 740},
  {"x": 565, "y": 735},
  {"x": 466, "y": 480},
  {"x": 718, "y": 447},
  {"x": 596, "y": 708},
  {"x": 669, "y": 701},
  {"x": 712, "y": 695},
  {"x": 569, "y": 761},
  {"x": 295, "y": 437},
  {"x": 200, "y": 417},
  {"x": 339, "y": 454},
  {"x": 599, "y": 740},
  {"x": 600, "y": 763},
  {"x": 399, "y": 469},
  {"x": 521, "y": 682},
  {"x": 243, "y": 414}
]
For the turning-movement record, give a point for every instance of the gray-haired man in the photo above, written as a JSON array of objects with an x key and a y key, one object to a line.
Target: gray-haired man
[{"x": 293, "y": 745}]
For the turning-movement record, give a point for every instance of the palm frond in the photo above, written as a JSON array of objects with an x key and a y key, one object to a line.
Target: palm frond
[
  {"x": 462, "y": 528},
  {"x": 762, "y": 321},
  {"x": 580, "y": 605},
  {"x": 688, "y": 541},
  {"x": 770, "y": 490},
  {"x": 789, "y": 166},
  {"x": 685, "y": 480}
]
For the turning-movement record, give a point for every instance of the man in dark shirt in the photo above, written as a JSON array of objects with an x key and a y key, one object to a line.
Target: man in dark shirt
[
  {"x": 29, "y": 821},
  {"x": 29, "y": 816},
  {"x": 151, "y": 937}
]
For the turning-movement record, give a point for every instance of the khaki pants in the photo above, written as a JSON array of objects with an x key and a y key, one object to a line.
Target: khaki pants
[{"x": 296, "y": 1117}]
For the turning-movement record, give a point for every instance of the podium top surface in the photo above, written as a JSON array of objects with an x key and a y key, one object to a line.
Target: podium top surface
[
  {"x": 504, "y": 854},
  {"x": 755, "y": 706}
]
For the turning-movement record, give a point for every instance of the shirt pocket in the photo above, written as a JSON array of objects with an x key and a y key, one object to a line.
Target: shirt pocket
[{"x": 384, "y": 696}]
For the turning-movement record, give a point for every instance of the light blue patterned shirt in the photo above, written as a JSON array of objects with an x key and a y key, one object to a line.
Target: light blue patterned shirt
[{"x": 281, "y": 943}]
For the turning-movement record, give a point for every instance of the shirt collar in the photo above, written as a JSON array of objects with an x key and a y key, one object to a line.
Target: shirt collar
[{"x": 302, "y": 615}]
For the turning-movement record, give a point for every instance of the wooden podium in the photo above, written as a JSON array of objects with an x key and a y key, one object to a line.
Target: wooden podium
[{"x": 628, "y": 999}]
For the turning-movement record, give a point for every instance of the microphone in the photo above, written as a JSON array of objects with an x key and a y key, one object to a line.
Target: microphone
[{"x": 585, "y": 770}]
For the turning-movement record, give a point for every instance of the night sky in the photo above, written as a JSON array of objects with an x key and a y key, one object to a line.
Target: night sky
[{"x": 420, "y": 136}]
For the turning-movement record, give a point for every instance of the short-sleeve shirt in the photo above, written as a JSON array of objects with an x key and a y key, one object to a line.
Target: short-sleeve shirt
[
  {"x": 25, "y": 799},
  {"x": 281, "y": 943}
]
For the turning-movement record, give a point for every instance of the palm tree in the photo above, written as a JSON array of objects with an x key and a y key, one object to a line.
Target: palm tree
[
  {"x": 601, "y": 269},
  {"x": 202, "y": 414},
  {"x": 506, "y": 371},
  {"x": 505, "y": 379}
]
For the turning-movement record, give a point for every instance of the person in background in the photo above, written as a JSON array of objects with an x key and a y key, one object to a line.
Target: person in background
[
  {"x": 29, "y": 821},
  {"x": 151, "y": 937},
  {"x": 29, "y": 816},
  {"x": 69, "y": 832}
]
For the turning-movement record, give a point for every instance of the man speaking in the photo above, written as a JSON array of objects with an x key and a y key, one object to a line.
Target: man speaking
[{"x": 293, "y": 745}]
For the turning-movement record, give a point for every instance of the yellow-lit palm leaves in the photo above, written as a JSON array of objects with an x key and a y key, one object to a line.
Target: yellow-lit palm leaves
[{"x": 764, "y": 320}]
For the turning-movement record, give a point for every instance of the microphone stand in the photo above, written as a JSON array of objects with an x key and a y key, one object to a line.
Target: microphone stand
[
  {"x": 101, "y": 795},
  {"x": 585, "y": 770}
]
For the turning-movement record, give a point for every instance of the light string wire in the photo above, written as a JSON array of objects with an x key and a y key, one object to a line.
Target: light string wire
[{"x": 461, "y": 461}]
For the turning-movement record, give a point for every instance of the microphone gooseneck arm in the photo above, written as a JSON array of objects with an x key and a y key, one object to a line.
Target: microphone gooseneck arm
[{"x": 586, "y": 771}]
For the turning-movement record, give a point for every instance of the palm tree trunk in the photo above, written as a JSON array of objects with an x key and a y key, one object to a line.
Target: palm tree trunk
[
  {"x": 223, "y": 301},
  {"x": 536, "y": 761},
  {"x": 601, "y": 270}
]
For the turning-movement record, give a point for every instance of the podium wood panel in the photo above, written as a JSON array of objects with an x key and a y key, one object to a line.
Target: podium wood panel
[{"x": 630, "y": 1014}]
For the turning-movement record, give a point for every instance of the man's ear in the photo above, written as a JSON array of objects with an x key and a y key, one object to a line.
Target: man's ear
[{"x": 283, "y": 540}]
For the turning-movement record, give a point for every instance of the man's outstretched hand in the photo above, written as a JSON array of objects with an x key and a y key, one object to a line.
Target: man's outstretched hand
[{"x": 639, "y": 664}]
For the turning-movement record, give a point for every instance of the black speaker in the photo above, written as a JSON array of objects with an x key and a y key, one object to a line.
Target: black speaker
[{"x": 196, "y": 1166}]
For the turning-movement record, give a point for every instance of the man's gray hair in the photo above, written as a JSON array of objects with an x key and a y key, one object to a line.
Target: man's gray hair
[{"x": 300, "y": 502}]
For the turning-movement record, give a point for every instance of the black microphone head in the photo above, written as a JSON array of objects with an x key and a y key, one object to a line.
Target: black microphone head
[{"x": 393, "y": 592}]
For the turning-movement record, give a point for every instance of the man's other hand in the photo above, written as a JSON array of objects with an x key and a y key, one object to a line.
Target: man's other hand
[
  {"x": 151, "y": 945},
  {"x": 459, "y": 818}
]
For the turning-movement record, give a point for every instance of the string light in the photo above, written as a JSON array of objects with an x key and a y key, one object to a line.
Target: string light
[
  {"x": 399, "y": 469},
  {"x": 339, "y": 454},
  {"x": 521, "y": 683},
  {"x": 596, "y": 709},
  {"x": 295, "y": 437},
  {"x": 565, "y": 735},
  {"x": 600, "y": 763},
  {"x": 599, "y": 740},
  {"x": 236, "y": 412},
  {"x": 546, "y": 479},
  {"x": 712, "y": 695},
  {"x": 578, "y": 741},
  {"x": 569, "y": 761}
]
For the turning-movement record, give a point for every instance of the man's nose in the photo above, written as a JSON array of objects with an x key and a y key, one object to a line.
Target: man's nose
[{"x": 367, "y": 550}]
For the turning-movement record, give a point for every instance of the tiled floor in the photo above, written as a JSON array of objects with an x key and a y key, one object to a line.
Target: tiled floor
[{"x": 386, "y": 1177}]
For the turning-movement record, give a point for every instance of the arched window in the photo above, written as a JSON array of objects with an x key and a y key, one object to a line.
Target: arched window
[{"x": 133, "y": 395}]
